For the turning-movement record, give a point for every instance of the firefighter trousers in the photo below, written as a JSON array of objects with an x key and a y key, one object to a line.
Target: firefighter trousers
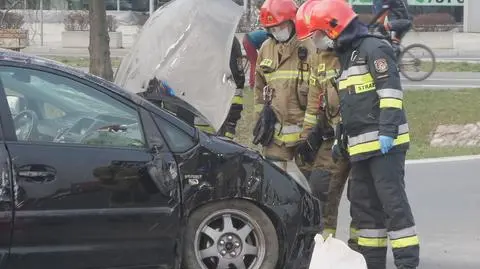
[
  {"x": 380, "y": 209},
  {"x": 283, "y": 153},
  {"x": 327, "y": 180}
]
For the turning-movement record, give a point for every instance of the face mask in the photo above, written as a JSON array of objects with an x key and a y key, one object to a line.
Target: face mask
[
  {"x": 281, "y": 34},
  {"x": 322, "y": 42}
]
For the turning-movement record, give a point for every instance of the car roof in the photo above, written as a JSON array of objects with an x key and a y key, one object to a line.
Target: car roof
[{"x": 36, "y": 61}]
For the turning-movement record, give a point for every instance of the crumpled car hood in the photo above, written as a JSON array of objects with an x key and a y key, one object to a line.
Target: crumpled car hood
[{"x": 187, "y": 44}]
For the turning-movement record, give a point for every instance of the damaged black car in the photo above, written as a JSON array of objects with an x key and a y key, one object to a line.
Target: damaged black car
[{"x": 96, "y": 177}]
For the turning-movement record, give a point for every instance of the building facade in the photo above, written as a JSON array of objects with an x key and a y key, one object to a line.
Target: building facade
[
  {"x": 416, "y": 7},
  {"x": 453, "y": 7}
]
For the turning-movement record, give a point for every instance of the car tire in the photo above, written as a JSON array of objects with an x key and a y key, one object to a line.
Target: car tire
[{"x": 209, "y": 243}]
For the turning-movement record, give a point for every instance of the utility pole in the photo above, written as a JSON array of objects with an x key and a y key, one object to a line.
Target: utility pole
[{"x": 151, "y": 7}]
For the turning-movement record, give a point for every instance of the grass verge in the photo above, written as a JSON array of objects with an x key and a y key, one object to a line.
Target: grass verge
[
  {"x": 426, "y": 109},
  {"x": 425, "y": 66},
  {"x": 451, "y": 67}
]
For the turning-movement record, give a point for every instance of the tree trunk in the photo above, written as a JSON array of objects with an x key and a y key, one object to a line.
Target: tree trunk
[{"x": 99, "y": 48}]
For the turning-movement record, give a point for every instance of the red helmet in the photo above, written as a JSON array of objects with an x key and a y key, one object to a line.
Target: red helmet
[
  {"x": 274, "y": 12},
  {"x": 301, "y": 26},
  {"x": 330, "y": 17}
]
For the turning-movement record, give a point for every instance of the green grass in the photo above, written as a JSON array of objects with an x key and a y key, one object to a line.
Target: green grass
[
  {"x": 457, "y": 67},
  {"x": 81, "y": 61},
  {"x": 451, "y": 67},
  {"x": 440, "y": 66},
  {"x": 245, "y": 126},
  {"x": 426, "y": 110}
]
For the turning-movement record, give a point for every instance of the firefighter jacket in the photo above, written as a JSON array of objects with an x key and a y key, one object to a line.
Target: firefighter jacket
[
  {"x": 371, "y": 98},
  {"x": 284, "y": 69},
  {"x": 323, "y": 102}
]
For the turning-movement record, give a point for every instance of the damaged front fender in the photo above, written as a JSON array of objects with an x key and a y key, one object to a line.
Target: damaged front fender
[{"x": 219, "y": 170}]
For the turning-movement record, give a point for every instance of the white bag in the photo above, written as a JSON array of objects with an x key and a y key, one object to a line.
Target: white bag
[{"x": 335, "y": 254}]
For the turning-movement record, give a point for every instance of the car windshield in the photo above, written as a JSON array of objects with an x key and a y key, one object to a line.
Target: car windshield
[
  {"x": 49, "y": 107},
  {"x": 63, "y": 94}
]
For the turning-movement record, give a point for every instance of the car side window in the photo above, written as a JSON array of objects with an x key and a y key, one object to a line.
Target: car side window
[
  {"x": 46, "y": 107},
  {"x": 178, "y": 140}
]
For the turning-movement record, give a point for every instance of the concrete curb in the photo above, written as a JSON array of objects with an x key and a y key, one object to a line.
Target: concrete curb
[{"x": 444, "y": 159}]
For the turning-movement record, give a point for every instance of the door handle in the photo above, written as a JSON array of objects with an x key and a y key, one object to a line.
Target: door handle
[{"x": 37, "y": 173}]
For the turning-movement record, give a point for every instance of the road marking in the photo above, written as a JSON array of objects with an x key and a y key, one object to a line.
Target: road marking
[
  {"x": 444, "y": 159},
  {"x": 439, "y": 87},
  {"x": 445, "y": 79},
  {"x": 455, "y": 79}
]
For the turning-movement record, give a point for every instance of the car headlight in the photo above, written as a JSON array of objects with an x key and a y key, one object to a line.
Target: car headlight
[{"x": 292, "y": 169}]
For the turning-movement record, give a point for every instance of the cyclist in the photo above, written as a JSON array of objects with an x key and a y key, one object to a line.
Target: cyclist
[
  {"x": 252, "y": 42},
  {"x": 399, "y": 21}
]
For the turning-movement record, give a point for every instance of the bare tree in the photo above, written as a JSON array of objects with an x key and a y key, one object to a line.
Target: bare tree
[
  {"x": 8, "y": 5},
  {"x": 99, "y": 48}
]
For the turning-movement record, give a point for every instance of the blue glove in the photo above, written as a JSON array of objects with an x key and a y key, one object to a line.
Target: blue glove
[
  {"x": 386, "y": 143},
  {"x": 168, "y": 89}
]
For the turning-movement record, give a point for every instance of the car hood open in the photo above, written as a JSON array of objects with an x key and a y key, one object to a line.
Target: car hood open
[{"x": 187, "y": 43}]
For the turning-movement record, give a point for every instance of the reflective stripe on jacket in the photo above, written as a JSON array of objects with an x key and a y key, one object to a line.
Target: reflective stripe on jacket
[
  {"x": 324, "y": 67},
  {"x": 372, "y": 98},
  {"x": 204, "y": 126}
]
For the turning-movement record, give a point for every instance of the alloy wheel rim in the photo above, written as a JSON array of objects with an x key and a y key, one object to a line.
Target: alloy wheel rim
[{"x": 229, "y": 239}]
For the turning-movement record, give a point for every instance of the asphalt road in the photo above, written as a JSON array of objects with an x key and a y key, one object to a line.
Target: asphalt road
[
  {"x": 445, "y": 80},
  {"x": 438, "y": 80},
  {"x": 445, "y": 199}
]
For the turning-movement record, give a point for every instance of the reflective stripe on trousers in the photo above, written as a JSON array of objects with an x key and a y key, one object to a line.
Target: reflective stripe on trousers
[
  {"x": 378, "y": 238},
  {"x": 368, "y": 142},
  {"x": 404, "y": 238},
  {"x": 327, "y": 232},
  {"x": 372, "y": 237},
  {"x": 238, "y": 98}
]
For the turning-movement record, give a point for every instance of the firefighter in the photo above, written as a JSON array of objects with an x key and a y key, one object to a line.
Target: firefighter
[
  {"x": 282, "y": 75},
  {"x": 374, "y": 134},
  {"x": 252, "y": 42},
  {"x": 328, "y": 178},
  {"x": 234, "y": 115}
]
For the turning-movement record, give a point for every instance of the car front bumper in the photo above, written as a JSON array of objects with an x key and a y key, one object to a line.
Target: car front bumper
[{"x": 300, "y": 242}]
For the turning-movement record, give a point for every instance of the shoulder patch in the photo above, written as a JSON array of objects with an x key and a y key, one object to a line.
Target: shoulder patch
[
  {"x": 321, "y": 68},
  {"x": 381, "y": 65},
  {"x": 266, "y": 62}
]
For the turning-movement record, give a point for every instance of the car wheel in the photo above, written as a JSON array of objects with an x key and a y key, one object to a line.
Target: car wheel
[{"x": 230, "y": 234}]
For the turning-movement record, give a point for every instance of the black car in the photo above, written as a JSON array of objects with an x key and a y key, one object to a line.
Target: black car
[{"x": 95, "y": 177}]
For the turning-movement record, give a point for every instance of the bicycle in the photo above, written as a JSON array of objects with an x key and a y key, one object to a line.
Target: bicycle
[{"x": 406, "y": 57}]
